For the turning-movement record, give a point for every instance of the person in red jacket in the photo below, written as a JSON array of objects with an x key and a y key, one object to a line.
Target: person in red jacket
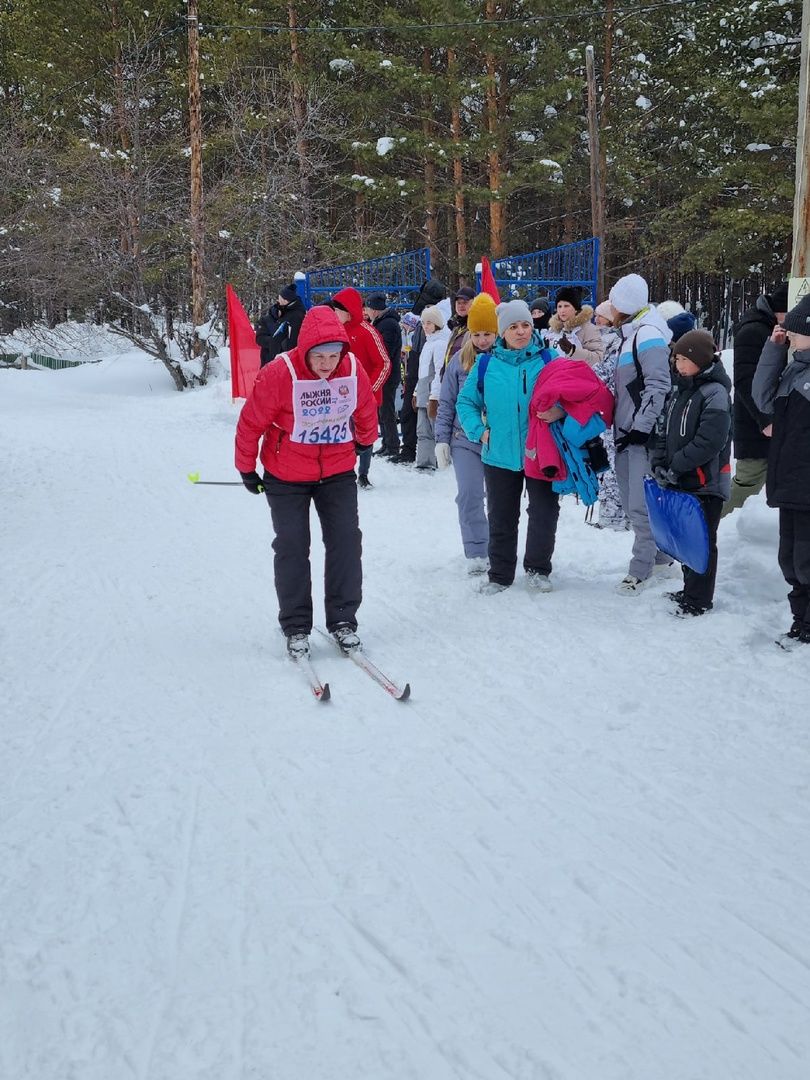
[
  {"x": 370, "y": 350},
  {"x": 313, "y": 410}
]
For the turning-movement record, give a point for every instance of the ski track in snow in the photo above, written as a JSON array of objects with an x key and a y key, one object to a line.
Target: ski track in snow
[{"x": 578, "y": 853}]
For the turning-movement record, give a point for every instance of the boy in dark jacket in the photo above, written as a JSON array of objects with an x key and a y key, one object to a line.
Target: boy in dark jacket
[
  {"x": 692, "y": 448},
  {"x": 782, "y": 390}
]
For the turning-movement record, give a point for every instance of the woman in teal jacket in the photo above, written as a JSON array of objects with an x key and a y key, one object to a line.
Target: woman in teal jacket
[{"x": 493, "y": 408}]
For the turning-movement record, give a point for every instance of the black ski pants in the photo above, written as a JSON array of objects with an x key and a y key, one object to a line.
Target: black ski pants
[
  {"x": 698, "y": 589},
  {"x": 335, "y": 501},
  {"x": 407, "y": 414},
  {"x": 388, "y": 413},
  {"x": 794, "y": 560},
  {"x": 504, "y": 493}
]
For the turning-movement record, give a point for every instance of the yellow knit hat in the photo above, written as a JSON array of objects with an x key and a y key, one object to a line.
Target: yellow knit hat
[{"x": 482, "y": 317}]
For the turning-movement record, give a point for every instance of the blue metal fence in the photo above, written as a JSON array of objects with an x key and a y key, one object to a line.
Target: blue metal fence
[
  {"x": 400, "y": 277},
  {"x": 543, "y": 272}
]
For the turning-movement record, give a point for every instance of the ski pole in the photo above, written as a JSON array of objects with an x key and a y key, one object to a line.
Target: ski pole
[{"x": 194, "y": 477}]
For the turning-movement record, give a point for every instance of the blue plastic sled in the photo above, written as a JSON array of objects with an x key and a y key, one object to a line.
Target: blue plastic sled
[{"x": 678, "y": 525}]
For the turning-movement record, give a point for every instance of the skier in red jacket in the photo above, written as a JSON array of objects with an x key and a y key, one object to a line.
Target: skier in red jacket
[
  {"x": 370, "y": 350},
  {"x": 313, "y": 410}
]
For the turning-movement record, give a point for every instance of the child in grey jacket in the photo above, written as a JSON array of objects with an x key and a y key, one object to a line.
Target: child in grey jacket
[{"x": 453, "y": 445}]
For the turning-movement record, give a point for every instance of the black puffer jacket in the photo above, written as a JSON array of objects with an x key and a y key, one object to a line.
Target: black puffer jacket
[
  {"x": 277, "y": 330},
  {"x": 388, "y": 327},
  {"x": 750, "y": 335},
  {"x": 784, "y": 390},
  {"x": 693, "y": 434}
]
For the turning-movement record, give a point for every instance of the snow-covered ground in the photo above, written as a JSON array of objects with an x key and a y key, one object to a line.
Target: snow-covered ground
[{"x": 579, "y": 853}]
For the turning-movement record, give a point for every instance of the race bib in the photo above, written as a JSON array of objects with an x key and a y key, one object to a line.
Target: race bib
[{"x": 322, "y": 409}]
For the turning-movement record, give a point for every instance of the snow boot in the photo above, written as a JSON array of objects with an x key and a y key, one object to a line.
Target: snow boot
[
  {"x": 363, "y": 482},
  {"x": 798, "y": 634},
  {"x": 675, "y": 597},
  {"x": 346, "y": 637},
  {"x": 491, "y": 588},
  {"x": 687, "y": 610},
  {"x": 298, "y": 646},
  {"x": 478, "y": 565},
  {"x": 631, "y": 586},
  {"x": 538, "y": 582}
]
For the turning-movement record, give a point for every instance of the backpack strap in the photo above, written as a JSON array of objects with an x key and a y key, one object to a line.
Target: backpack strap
[{"x": 483, "y": 364}]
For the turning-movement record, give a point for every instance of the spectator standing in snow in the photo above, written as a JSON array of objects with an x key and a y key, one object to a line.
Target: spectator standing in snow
[
  {"x": 611, "y": 513},
  {"x": 541, "y": 312},
  {"x": 432, "y": 292},
  {"x": 367, "y": 346},
  {"x": 453, "y": 445},
  {"x": 277, "y": 330},
  {"x": 781, "y": 391},
  {"x": 312, "y": 409},
  {"x": 493, "y": 407},
  {"x": 678, "y": 319},
  {"x": 431, "y": 359},
  {"x": 751, "y": 426},
  {"x": 691, "y": 449},
  {"x": 385, "y": 321},
  {"x": 570, "y": 328},
  {"x": 642, "y": 383}
]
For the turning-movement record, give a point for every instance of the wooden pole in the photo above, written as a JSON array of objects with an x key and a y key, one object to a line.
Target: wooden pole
[
  {"x": 195, "y": 136},
  {"x": 597, "y": 206},
  {"x": 800, "y": 267}
]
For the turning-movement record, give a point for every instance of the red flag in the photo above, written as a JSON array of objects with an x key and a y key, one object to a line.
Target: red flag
[
  {"x": 488, "y": 280},
  {"x": 245, "y": 353}
]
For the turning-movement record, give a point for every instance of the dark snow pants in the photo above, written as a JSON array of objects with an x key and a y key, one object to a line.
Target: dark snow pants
[
  {"x": 794, "y": 560},
  {"x": 504, "y": 493},
  {"x": 335, "y": 500},
  {"x": 388, "y": 413},
  {"x": 698, "y": 589}
]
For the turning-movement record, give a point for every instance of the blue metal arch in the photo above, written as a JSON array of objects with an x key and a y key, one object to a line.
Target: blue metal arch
[
  {"x": 400, "y": 277},
  {"x": 548, "y": 270}
]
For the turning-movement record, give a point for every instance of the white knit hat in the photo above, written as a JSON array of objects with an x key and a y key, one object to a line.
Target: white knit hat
[
  {"x": 511, "y": 312},
  {"x": 668, "y": 309},
  {"x": 630, "y": 294},
  {"x": 433, "y": 315}
]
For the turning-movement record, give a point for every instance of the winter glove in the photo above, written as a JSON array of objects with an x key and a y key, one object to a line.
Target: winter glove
[
  {"x": 360, "y": 448},
  {"x": 666, "y": 477},
  {"x": 433, "y": 408},
  {"x": 634, "y": 437},
  {"x": 566, "y": 345},
  {"x": 253, "y": 482},
  {"x": 443, "y": 456}
]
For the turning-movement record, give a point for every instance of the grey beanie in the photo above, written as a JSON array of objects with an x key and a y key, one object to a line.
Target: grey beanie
[
  {"x": 511, "y": 312},
  {"x": 797, "y": 320}
]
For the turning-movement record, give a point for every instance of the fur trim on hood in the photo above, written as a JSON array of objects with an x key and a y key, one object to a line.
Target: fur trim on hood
[{"x": 584, "y": 316}]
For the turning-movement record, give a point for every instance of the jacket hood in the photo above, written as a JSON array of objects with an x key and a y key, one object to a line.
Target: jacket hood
[
  {"x": 761, "y": 314},
  {"x": 431, "y": 293},
  {"x": 580, "y": 318},
  {"x": 352, "y": 301},
  {"x": 648, "y": 317},
  {"x": 320, "y": 325}
]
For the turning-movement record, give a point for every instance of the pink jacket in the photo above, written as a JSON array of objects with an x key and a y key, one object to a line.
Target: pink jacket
[{"x": 572, "y": 385}]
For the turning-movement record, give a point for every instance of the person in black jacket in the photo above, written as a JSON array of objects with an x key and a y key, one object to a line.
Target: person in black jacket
[
  {"x": 385, "y": 321},
  {"x": 277, "y": 330},
  {"x": 782, "y": 390},
  {"x": 691, "y": 449},
  {"x": 751, "y": 427},
  {"x": 432, "y": 292}
]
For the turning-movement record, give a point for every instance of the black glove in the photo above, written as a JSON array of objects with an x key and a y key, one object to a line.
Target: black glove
[
  {"x": 360, "y": 448},
  {"x": 634, "y": 437},
  {"x": 566, "y": 345},
  {"x": 253, "y": 482}
]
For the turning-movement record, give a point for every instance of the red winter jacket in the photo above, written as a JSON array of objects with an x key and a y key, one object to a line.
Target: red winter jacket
[
  {"x": 268, "y": 411},
  {"x": 574, "y": 386},
  {"x": 365, "y": 342}
]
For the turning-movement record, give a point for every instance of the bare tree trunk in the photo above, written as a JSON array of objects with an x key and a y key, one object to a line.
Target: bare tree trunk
[
  {"x": 299, "y": 108},
  {"x": 195, "y": 131},
  {"x": 431, "y": 218},
  {"x": 604, "y": 129},
  {"x": 497, "y": 242},
  {"x": 458, "y": 165}
]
